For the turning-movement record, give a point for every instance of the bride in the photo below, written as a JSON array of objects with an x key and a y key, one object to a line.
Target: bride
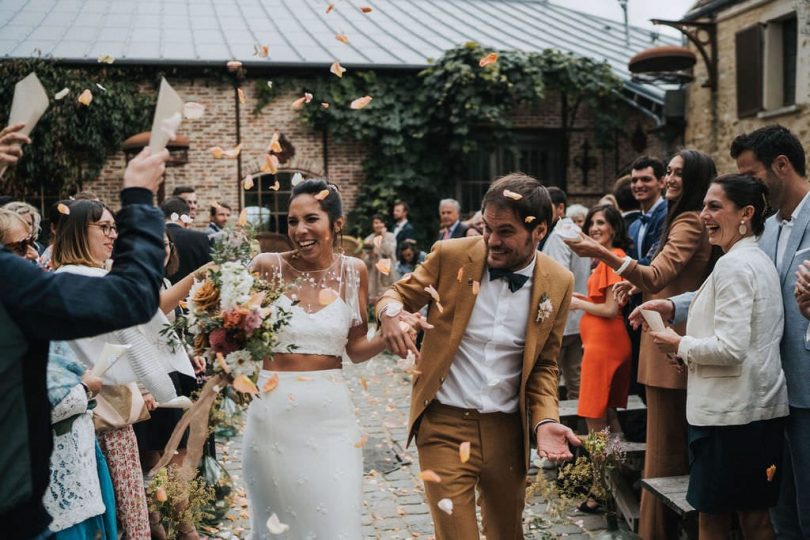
[{"x": 303, "y": 447}]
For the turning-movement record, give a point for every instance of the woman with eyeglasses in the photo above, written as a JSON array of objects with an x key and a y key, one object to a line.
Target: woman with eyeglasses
[
  {"x": 84, "y": 243},
  {"x": 16, "y": 235}
]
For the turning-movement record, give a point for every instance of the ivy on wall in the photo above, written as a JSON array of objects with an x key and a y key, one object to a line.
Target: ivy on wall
[{"x": 420, "y": 128}]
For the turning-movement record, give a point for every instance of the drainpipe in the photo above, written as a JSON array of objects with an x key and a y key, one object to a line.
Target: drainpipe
[{"x": 325, "y": 138}]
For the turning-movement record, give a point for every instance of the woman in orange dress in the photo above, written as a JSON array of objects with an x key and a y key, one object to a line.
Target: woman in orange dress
[{"x": 606, "y": 345}]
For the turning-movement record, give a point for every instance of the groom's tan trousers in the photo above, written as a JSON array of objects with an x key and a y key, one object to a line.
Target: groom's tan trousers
[{"x": 496, "y": 467}]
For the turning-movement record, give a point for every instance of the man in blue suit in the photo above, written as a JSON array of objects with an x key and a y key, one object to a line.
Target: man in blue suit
[
  {"x": 647, "y": 183},
  {"x": 775, "y": 156}
]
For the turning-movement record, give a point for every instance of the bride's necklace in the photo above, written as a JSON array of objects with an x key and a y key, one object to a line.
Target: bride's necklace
[{"x": 315, "y": 280}]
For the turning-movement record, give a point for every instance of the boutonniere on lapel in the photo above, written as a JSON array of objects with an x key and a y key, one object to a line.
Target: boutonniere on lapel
[{"x": 544, "y": 308}]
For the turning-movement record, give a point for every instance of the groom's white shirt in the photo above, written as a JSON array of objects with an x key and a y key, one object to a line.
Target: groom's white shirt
[{"x": 485, "y": 373}]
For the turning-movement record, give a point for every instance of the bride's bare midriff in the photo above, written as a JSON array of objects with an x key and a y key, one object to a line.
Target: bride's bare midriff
[{"x": 301, "y": 362}]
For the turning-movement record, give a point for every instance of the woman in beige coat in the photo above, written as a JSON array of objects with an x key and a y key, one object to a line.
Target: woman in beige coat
[
  {"x": 380, "y": 257},
  {"x": 683, "y": 260}
]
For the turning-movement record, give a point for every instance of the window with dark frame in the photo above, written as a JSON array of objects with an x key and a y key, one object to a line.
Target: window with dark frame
[
  {"x": 266, "y": 207},
  {"x": 789, "y": 59}
]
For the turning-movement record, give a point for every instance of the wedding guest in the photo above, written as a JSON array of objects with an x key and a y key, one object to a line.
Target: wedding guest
[
  {"x": 84, "y": 241},
  {"x": 737, "y": 399},
  {"x": 410, "y": 256},
  {"x": 449, "y": 215},
  {"x": 475, "y": 224},
  {"x": 32, "y": 216},
  {"x": 380, "y": 245},
  {"x": 577, "y": 213},
  {"x": 605, "y": 377},
  {"x": 559, "y": 200},
  {"x": 647, "y": 183},
  {"x": 628, "y": 205},
  {"x": 188, "y": 194},
  {"x": 608, "y": 199},
  {"x": 54, "y": 216},
  {"x": 193, "y": 247},
  {"x": 403, "y": 230},
  {"x": 37, "y": 306},
  {"x": 16, "y": 236},
  {"x": 302, "y": 442},
  {"x": 220, "y": 214},
  {"x": 680, "y": 263}
]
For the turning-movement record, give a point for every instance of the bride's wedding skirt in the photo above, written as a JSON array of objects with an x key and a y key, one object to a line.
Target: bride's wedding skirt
[{"x": 303, "y": 458}]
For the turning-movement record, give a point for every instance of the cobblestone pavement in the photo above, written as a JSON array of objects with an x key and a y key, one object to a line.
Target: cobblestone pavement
[{"x": 395, "y": 506}]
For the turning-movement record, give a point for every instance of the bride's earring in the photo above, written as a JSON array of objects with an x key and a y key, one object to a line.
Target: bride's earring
[{"x": 743, "y": 229}]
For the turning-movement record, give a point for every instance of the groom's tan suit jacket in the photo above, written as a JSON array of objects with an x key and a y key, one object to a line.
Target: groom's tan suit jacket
[{"x": 452, "y": 268}]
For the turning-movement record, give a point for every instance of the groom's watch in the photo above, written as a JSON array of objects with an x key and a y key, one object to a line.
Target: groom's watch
[{"x": 392, "y": 310}]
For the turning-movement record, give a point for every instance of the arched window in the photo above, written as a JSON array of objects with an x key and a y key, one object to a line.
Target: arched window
[{"x": 267, "y": 207}]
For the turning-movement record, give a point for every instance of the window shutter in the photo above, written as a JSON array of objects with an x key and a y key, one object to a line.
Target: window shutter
[{"x": 749, "y": 52}]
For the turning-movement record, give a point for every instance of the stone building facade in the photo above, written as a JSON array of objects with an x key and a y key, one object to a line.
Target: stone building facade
[{"x": 763, "y": 74}]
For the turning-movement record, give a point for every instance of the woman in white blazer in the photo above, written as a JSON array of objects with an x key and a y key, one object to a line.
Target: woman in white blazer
[{"x": 736, "y": 395}]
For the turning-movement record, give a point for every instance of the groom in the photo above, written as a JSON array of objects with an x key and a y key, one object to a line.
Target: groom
[{"x": 488, "y": 367}]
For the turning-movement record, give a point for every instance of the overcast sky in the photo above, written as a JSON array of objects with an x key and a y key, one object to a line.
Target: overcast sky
[{"x": 640, "y": 11}]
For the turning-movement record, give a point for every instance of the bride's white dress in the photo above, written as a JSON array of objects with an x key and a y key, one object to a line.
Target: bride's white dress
[{"x": 302, "y": 454}]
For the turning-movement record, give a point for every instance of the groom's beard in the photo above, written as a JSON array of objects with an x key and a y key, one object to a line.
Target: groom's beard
[{"x": 510, "y": 259}]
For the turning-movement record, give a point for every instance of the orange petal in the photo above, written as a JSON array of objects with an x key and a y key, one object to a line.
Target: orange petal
[
  {"x": 329, "y": 8},
  {"x": 512, "y": 195},
  {"x": 464, "y": 452},
  {"x": 242, "y": 384},
  {"x": 217, "y": 152},
  {"x": 362, "y": 442},
  {"x": 160, "y": 495},
  {"x": 476, "y": 287},
  {"x": 460, "y": 274},
  {"x": 366, "y": 9},
  {"x": 241, "y": 94},
  {"x": 270, "y": 164},
  {"x": 324, "y": 105},
  {"x": 429, "y": 476},
  {"x": 343, "y": 38},
  {"x": 327, "y": 296},
  {"x": 193, "y": 111},
  {"x": 106, "y": 59},
  {"x": 276, "y": 186},
  {"x": 337, "y": 69},
  {"x": 86, "y": 97},
  {"x": 491, "y": 58},
  {"x": 298, "y": 104},
  {"x": 307, "y": 97},
  {"x": 271, "y": 384},
  {"x": 222, "y": 364},
  {"x": 233, "y": 65},
  {"x": 384, "y": 266},
  {"x": 529, "y": 219},
  {"x": 440, "y": 307},
  {"x": 769, "y": 472},
  {"x": 304, "y": 378},
  {"x": 243, "y": 220},
  {"x": 262, "y": 51},
  {"x": 247, "y": 183},
  {"x": 63, "y": 209},
  {"x": 432, "y": 292},
  {"x": 364, "y": 383},
  {"x": 446, "y": 506},
  {"x": 359, "y": 103},
  {"x": 233, "y": 153},
  {"x": 322, "y": 194},
  {"x": 377, "y": 241},
  {"x": 275, "y": 145}
]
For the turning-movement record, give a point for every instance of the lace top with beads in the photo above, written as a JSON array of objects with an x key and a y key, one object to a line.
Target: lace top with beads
[{"x": 324, "y": 305}]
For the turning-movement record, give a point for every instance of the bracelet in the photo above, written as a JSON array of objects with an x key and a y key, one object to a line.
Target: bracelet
[{"x": 627, "y": 260}]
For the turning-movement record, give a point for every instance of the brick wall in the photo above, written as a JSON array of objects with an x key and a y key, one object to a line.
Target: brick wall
[{"x": 713, "y": 132}]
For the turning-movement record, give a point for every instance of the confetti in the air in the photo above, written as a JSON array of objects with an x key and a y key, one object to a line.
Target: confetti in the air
[
  {"x": 86, "y": 97},
  {"x": 271, "y": 384},
  {"x": 359, "y": 103},
  {"x": 321, "y": 195},
  {"x": 464, "y": 452},
  {"x": 193, "y": 111},
  {"x": 512, "y": 195},
  {"x": 491, "y": 58},
  {"x": 262, "y": 51},
  {"x": 337, "y": 69},
  {"x": 296, "y": 179},
  {"x": 233, "y": 65},
  {"x": 61, "y": 93},
  {"x": 429, "y": 476},
  {"x": 63, "y": 209},
  {"x": 241, "y": 94},
  {"x": 529, "y": 219},
  {"x": 106, "y": 59},
  {"x": 343, "y": 38},
  {"x": 275, "y": 526},
  {"x": 247, "y": 182},
  {"x": 366, "y": 9},
  {"x": 384, "y": 266},
  {"x": 446, "y": 506}
]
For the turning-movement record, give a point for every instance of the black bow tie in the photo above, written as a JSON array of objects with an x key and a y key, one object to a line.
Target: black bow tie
[
  {"x": 516, "y": 281},
  {"x": 644, "y": 218}
]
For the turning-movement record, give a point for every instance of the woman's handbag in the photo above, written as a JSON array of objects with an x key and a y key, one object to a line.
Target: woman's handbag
[{"x": 119, "y": 405}]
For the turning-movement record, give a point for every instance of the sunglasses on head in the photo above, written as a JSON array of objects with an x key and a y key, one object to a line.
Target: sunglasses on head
[{"x": 21, "y": 247}]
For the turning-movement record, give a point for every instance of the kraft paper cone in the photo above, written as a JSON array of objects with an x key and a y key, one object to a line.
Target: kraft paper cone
[
  {"x": 29, "y": 104},
  {"x": 169, "y": 104}
]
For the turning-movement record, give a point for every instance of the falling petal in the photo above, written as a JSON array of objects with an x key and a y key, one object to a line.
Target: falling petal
[
  {"x": 101, "y": 87},
  {"x": 61, "y": 93},
  {"x": 429, "y": 476},
  {"x": 327, "y": 296},
  {"x": 193, "y": 111},
  {"x": 446, "y": 505},
  {"x": 512, "y": 195},
  {"x": 269, "y": 84},
  {"x": 432, "y": 292},
  {"x": 464, "y": 452},
  {"x": 362, "y": 442},
  {"x": 270, "y": 164},
  {"x": 247, "y": 183},
  {"x": 174, "y": 217},
  {"x": 321, "y": 195},
  {"x": 298, "y": 104},
  {"x": 324, "y": 105},
  {"x": 233, "y": 65},
  {"x": 384, "y": 266},
  {"x": 241, "y": 94},
  {"x": 297, "y": 179},
  {"x": 460, "y": 274},
  {"x": 233, "y": 153},
  {"x": 491, "y": 58},
  {"x": 366, "y": 9},
  {"x": 276, "y": 186},
  {"x": 343, "y": 38},
  {"x": 242, "y": 384},
  {"x": 440, "y": 307},
  {"x": 337, "y": 69},
  {"x": 364, "y": 383},
  {"x": 769, "y": 472},
  {"x": 529, "y": 219},
  {"x": 329, "y": 8},
  {"x": 377, "y": 241},
  {"x": 307, "y": 97},
  {"x": 359, "y": 103},
  {"x": 216, "y": 151},
  {"x": 86, "y": 97},
  {"x": 262, "y": 51},
  {"x": 63, "y": 209},
  {"x": 304, "y": 378},
  {"x": 243, "y": 218},
  {"x": 275, "y": 145},
  {"x": 476, "y": 286},
  {"x": 275, "y": 526},
  {"x": 271, "y": 384},
  {"x": 185, "y": 218},
  {"x": 106, "y": 59},
  {"x": 170, "y": 125},
  {"x": 161, "y": 495}
]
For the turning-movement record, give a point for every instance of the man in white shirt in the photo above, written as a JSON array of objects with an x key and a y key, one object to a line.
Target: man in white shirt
[
  {"x": 403, "y": 230},
  {"x": 488, "y": 372}
]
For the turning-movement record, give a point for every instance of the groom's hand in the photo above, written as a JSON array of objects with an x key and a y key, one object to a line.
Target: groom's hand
[
  {"x": 397, "y": 336},
  {"x": 553, "y": 439}
]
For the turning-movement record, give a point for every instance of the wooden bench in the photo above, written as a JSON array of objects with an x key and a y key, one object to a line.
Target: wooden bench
[
  {"x": 672, "y": 492},
  {"x": 569, "y": 417}
]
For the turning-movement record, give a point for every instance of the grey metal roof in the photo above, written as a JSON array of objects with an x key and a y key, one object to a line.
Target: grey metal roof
[{"x": 397, "y": 34}]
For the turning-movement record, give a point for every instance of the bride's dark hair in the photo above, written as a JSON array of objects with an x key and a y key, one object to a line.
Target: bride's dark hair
[{"x": 331, "y": 204}]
